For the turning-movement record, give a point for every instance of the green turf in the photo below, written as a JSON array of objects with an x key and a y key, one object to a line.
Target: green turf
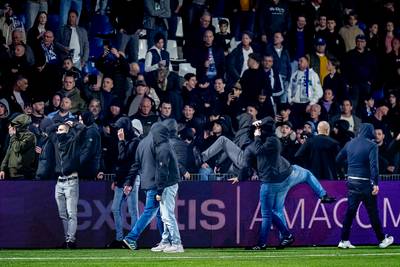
[{"x": 326, "y": 256}]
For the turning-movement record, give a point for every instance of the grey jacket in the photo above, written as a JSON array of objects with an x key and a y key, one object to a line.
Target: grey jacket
[{"x": 64, "y": 37}]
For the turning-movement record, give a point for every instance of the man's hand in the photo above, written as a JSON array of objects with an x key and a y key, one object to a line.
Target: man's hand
[
  {"x": 264, "y": 38},
  {"x": 127, "y": 189},
  {"x": 234, "y": 180},
  {"x": 257, "y": 132},
  {"x": 12, "y": 131},
  {"x": 205, "y": 165},
  {"x": 121, "y": 134},
  {"x": 187, "y": 175},
  {"x": 375, "y": 190},
  {"x": 38, "y": 150},
  {"x": 2, "y": 175},
  {"x": 158, "y": 197},
  {"x": 217, "y": 169},
  {"x": 113, "y": 186},
  {"x": 257, "y": 123},
  {"x": 390, "y": 169}
]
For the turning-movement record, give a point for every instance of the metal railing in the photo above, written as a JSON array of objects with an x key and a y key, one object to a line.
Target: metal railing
[{"x": 226, "y": 176}]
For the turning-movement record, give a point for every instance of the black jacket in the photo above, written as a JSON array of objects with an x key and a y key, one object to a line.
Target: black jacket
[
  {"x": 319, "y": 154},
  {"x": 271, "y": 166},
  {"x": 167, "y": 170},
  {"x": 90, "y": 155}
]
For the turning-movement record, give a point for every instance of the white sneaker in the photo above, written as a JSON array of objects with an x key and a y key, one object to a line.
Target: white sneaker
[
  {"x": 387, "y": 241},
  {"x": 160, "y": 247},
  {"x": 345, "y": 244},
  {"x": 174, "y": 249}
]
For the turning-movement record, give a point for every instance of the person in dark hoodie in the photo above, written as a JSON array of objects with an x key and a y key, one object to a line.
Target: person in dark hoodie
[
  {"x": 144, "y": 166},
  {"x": 128, "y": 140},
  {"x": 167, "y": 179},
  {"x": 361, "y": 154},
  {"x": 91, "y": 148},
  {"x": 277, "y": 176},
  {"x": 61, "y": 158},
  {"x": 20, "y": 156}
]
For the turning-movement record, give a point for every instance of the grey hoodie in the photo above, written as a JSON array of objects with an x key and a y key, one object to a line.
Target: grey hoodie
[{"x": 4, "y": 102}]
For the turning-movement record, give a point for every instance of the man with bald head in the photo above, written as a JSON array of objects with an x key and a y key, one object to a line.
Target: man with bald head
[{"x": 318, "y": 153}]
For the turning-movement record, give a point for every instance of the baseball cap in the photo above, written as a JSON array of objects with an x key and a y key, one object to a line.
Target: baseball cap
[{"x": 320, "y": 41}]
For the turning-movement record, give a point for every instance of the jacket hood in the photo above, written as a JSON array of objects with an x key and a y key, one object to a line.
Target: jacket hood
[
  {"x": 244, "y": 120},
  {"x": 126, "y": 124},
  {"x": 88, "y": 118},
  {"x": 160, "y": 133},
  {"x": 4, "y": 102},
  {"x": 367, "y": 131},
  {"x": 268, "y": 127},
  {"x": 172, "y": 127},
  {"x": 21, "y": 122}
]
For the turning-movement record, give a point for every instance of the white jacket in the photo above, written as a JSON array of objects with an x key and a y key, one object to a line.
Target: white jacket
[{"x": 299, "y": 92}]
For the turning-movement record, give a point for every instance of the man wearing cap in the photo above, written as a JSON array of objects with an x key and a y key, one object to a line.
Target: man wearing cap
[
  {"x": 73, "y": 93},
  {"x": 360, "y": 70},
  {"x": 319, "y": 59}
]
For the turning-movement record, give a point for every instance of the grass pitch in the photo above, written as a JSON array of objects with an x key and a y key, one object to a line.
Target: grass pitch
[{"x": 311, "y": 256}]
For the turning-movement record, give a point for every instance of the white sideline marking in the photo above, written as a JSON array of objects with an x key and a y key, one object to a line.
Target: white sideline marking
[{"x": 248, "y": 256}]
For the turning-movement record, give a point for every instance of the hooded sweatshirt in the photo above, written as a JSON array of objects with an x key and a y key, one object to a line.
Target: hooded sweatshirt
[
  {"x": 167, "y": 171},
  {"x": 91, "y": 148},
  {"x": 362, "y": 155},
  {"x": 20, "y": 156}
]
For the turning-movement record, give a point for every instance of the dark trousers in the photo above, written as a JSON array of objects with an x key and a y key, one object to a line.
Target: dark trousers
[{"x": 361, "y": 191}]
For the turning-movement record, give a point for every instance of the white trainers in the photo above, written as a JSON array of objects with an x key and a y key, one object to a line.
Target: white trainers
[
  {"x": 386, "y": 242},
  {"x": 160, "y": 247},
  {"x": 345, "y": 244},
  {"x": 174, "y": 249}
]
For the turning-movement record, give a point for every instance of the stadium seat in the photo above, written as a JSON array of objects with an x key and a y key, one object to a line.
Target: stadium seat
[
  {"x": 53, "y": 22},
  {"x": 142, "y": 48},
  {"x": 172, "y": 49},
  {"x": 186, "y": 68},
  {"x": 215, "y": 24},
  {"x": 96, "y": 48}
]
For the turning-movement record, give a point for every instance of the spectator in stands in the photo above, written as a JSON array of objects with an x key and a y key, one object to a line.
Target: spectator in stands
[
  {"x": 155, "y": 19},
  {"x": 315, "y": 114},
  {"x": 373, "y": 38},
  {"x": 9, "y": 23},
  {"x": 223, "y": 37},
  {"x": 287, "y": 137},
  {"x": 334, "y": 42},
  {"x": 341, "y": 133},
  {"x": 165, "y": 111},
  {"x": 34, "y": 9},
  {"x": 319, "y": 59},
  {"x": 209, "y": 59},
  {"x": 347, "y": 115},
  {"x": 335, "y": 80},
  {"x": 73, "y": 40},
  {"x": 304, "y": 90},
  {"x": 69, "y": 89},
  {"x": 329, "y": 105},
  {"x": 64, "y": 112},
  {"x": 274, "y": 17},
  {"x": 299, "y": 40},
  {"x": 319, "y": 153},
  {"x": 128, "y": 141},
  {"x": 90, "y": 154},
  {"x": 128, "y": 17},
  {"x": 189, "y": 85},
  {"x": 391, "y": 66},
  {"x": 156, "y": 56},
  {"x": 68, "y": 67},
  {"x": 18, "y": 38},
  {"x": 18, "y": 98},
  {"x": 393, "y": 113},
  {"x": 18, "y": 63},
  {"x": 236, "y": 62},
  {"x": 350, "y": 31},
  {"x": 221, "y": 96},
  {"x": 368, "y": 109},
  {"x": 388, "y": 37},
  {"x": 274, "y": 86},
  {"x": 68, "y": 5},
  {"x": 321, "y": 25},
  {"x": 141, "y": 90},
  {"x": 281, "y": 62},
  {"x": 386, "y": 160},
  {"x": 378, "y": 119},
  {"x": 145, "y": 114},
  {"x": 235, "y": 104},
  {"x": 37, "y": 30},
  {"x": 95, "y": 108},
  {"x": 254, "y": 79},
  {"x": 20, "y": 155},
  {"x": 191, "y": 120}
]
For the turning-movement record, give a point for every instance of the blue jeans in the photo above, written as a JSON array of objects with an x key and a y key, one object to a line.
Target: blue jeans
[
  {"x": 270, "y": 194},
  {"x": 66, "y": 6},
  {"x": 67, "y": 196},
  {"x": 132, "y": 200},
  {"x": 167, "y": 209},
  {"x": 150, "y": 212},
  {"x": 299, "y": 175},
  {"x": 204, "y": 173}
]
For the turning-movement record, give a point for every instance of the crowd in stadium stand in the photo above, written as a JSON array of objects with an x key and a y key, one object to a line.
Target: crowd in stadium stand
[{"x": 235, "y": 62}]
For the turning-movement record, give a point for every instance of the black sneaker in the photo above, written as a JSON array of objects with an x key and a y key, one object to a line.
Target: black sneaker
[
  {"x": 258, "y": 247},
  {"x": 116, "y": 244},
  {"x": 327, "y": 199},
  {"x": 287, "y": 241},
  {"x": 63, "y": 245},
  {"x": 71, "y": 245}
]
